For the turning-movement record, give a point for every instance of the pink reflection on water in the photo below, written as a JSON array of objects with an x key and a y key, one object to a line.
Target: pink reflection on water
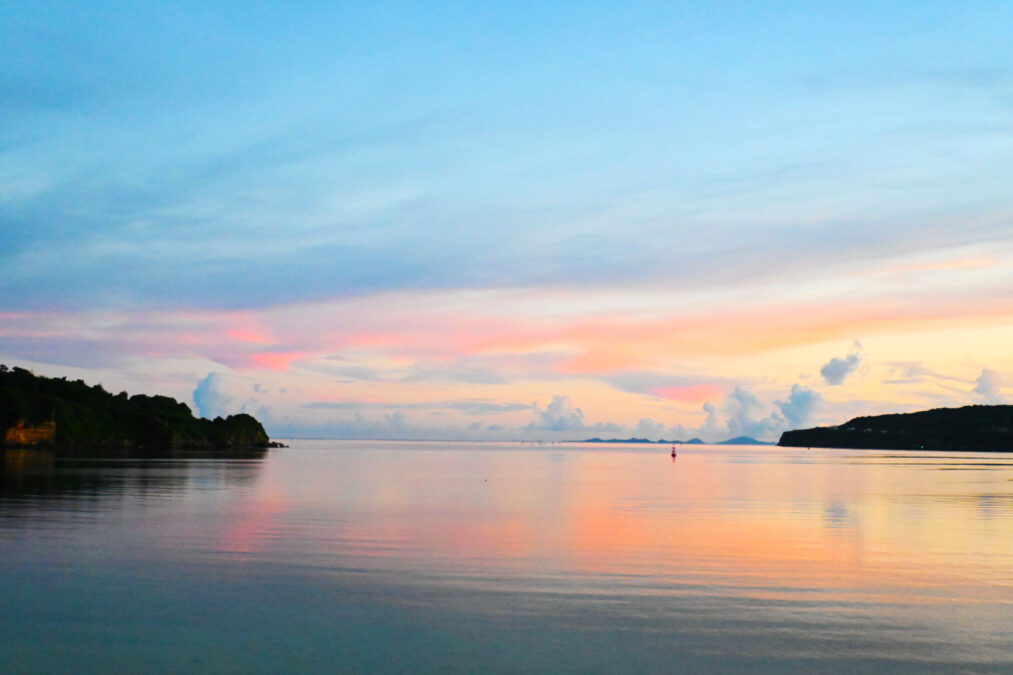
[{"x": 765, "y": 522}]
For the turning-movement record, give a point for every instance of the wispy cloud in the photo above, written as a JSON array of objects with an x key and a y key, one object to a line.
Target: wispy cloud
[{"x": 466, "y": 406}]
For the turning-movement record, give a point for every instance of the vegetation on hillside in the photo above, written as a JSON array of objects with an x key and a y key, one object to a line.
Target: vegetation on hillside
[
  {"x": 90, "y": 416},
  {"x": 973, "y": 427}
]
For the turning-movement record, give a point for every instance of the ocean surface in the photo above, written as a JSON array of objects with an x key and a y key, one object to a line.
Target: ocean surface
[{"x": 342, "y": 556}]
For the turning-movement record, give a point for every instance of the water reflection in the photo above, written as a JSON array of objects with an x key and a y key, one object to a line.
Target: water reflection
[
  {"x": 728, "y": 558},
  {"x": 29, "y": 478},
  {"x": 862, "y": 555},
  {"x": 835, "y": 515}
]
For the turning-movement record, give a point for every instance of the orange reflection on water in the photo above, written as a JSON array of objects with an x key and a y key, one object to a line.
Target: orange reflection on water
[
  {"x": 820, "y": 525},
  {"x": 765, "y": 522}
]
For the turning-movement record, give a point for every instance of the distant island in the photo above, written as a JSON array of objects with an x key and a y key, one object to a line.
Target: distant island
[
  {"x": 738, "y": 440},
  {"x": 40, "y": 411},
  {"x": 662, "y": 441},
  {"x": 973, "y": 427},
  {"x": 742, "y": 440}
]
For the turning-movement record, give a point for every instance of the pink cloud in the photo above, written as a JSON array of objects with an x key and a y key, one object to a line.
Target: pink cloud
[
  {"x": 247, "y": 336},
  {"x": 278, "y": 360},
  {"x": 975, "y": 263},
  {"x": 690, "y": 394},
  {"x": 431, "y": 327}
]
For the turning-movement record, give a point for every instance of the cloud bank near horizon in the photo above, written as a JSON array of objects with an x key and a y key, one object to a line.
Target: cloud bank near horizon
[{"x": 477, "y": 364}]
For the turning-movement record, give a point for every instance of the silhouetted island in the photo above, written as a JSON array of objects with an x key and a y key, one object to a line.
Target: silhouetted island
[
  {"x": 738, "y": 440},
  {"x": 40, "y": 411},
  {"x": 973, "y": 427},
  {"x": 743, "y": 440},
  {"x": 660, "y": 441}
]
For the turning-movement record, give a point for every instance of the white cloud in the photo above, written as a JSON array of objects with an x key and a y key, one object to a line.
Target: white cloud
[
  {"x": 389, "y": 426},
  {"x": 560, "y": 415},
  {"x": 712, "y": 425},
  {"x": 211, "y": 396},
  {"x": 744, "y": 414},
  {"x": 743, "y": 410},
  {"x": 221, "y": 395},
  {"x": 988, "y": 386},
  {"x": 799, "y": 406},
  {"x": 648, "y": 428}
]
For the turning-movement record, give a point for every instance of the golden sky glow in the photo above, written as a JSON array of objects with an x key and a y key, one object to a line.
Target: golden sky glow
[{"x": 465, "y": 362}]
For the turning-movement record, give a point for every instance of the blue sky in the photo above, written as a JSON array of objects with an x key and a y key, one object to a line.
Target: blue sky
[{"x": 256, "y": 158}]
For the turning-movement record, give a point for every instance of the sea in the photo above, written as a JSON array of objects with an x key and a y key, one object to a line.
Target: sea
[{"x": 451, "y": 557}]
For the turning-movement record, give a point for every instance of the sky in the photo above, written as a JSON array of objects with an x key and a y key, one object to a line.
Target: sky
[{"x": 528, "y": 221}]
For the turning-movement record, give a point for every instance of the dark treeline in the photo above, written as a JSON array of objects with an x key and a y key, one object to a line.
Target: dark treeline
[
  {"x": 64, "y": 413},
  {"x": 973, "y": 427}
]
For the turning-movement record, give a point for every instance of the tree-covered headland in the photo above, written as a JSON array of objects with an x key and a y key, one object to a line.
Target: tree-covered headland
[
  {"x": 43, "y": 411},
  {"x": 973, "y": 427}
]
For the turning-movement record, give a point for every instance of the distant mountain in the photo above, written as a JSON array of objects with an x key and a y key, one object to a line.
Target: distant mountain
[
  {"x": 743, "y": 440},
  {"x": 661, "y": 441},
  {"x": 975, "y": 427},
  {"x": 56, "y": 412},
  {"x": 619, "y": 440}
]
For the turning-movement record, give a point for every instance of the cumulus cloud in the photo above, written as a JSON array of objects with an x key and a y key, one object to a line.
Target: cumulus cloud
[
  {"x": 712, "y": 425},
  {"x": 744, "y": 414},
  {"x": 389, "y": 426},
  {"x": 220, "y": 395},
  {"x": 799, "y": 406},
  {"x": 988, "y": 386},
  {"x": 396, "y": 421},
  {"x": 677, "y": 432},
  {"x": 837, "y": 369},
  {"x": 560, "y": 415},
  {"x": 211, "y": 396},
  {"x": 648, "y": 428}
]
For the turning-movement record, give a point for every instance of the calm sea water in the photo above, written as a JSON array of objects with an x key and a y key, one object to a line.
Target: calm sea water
[{"x": 437, "y": 557}]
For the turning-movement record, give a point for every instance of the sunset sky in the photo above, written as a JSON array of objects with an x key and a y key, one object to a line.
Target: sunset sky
[{"x": 512, "y": 220}]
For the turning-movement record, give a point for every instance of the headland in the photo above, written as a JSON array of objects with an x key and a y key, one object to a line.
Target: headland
[
  {"x": 970, "y": 428},
  {"x": 43, "y": 412}
]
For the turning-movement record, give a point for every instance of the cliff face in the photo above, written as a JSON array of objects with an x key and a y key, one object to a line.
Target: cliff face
[
  {"x": 40, "y": 410},
  {"x": 28, "y": 434},
  {"x": 975, "y": 428}
]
